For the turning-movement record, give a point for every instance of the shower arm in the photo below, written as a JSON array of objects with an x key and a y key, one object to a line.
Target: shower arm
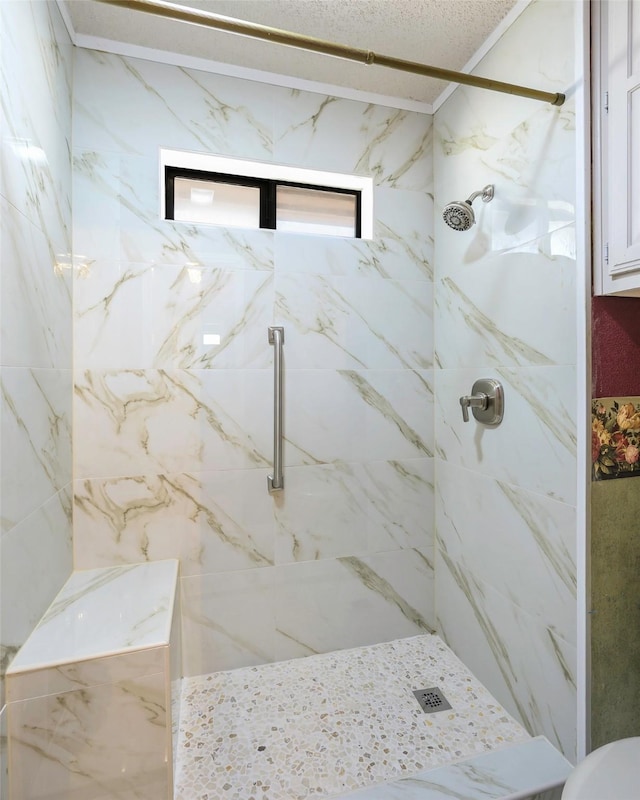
[
  {"x": 290, "y": 39},
  {"x": 473, "y": 196},
  {"x": 487, "y": 195}
]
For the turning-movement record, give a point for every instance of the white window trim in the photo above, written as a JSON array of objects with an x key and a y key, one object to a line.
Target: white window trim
[{"x": 260, "y": 169}]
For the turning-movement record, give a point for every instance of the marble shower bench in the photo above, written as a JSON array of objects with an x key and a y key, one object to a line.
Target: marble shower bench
[
  {"x": 89, "y": 694},
  {"x": 519, "y": 771}
]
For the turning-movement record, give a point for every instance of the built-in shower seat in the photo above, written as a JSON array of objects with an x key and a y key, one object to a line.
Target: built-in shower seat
[
  {"x": 89, "y": 693},
  {"x": 517, "y": 771}
]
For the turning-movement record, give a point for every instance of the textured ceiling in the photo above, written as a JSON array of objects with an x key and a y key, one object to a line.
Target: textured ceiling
[{"x": 442, "y": 33}]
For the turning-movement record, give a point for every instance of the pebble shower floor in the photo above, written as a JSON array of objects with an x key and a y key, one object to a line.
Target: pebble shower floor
[{"x": 326, "y": 725}]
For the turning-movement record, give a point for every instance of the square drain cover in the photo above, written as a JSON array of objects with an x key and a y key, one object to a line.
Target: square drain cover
[{"x": 431, "y": 700}]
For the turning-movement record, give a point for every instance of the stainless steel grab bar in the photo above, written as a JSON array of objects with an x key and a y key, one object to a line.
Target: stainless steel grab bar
[{"x": 275, "y": 482}]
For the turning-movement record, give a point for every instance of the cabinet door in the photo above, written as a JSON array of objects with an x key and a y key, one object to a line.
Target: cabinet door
[{"x": 624, "y": 138}]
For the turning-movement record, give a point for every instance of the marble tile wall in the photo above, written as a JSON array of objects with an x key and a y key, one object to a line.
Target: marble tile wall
[
  {"x": 35, "y": 318},
  {"x": 173, "y": 439},
  {"x": 88, "y": 754},
  {"x": 89, "y": 694},
  {"x": 505, "y": 570}
]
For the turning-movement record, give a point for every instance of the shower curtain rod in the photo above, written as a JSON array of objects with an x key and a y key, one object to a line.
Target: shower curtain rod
[{"x": 301, "y": 41}]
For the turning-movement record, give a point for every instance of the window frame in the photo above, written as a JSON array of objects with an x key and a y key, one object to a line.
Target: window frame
[
  {"x": 268, "y": 188},
  {"x": 241, "y": 171}
]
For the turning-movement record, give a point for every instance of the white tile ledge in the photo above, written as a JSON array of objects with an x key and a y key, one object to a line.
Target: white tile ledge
[
  {"x": 103, "y": 612},
  {"x": 515, "y": 772}
]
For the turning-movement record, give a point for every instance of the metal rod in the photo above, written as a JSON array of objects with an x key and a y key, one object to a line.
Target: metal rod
[
  {"x": 278, "y": 36},
  {"x": 275, "y": 482}
]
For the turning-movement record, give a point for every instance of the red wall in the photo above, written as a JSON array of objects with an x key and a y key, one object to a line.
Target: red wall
[{"x": 615, "y": 346}]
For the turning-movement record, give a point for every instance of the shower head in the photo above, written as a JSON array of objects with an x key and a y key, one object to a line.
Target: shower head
[{"x": 459, "y": 214}]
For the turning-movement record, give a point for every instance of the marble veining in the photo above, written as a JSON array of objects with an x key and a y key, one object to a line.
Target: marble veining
[
  {"x": 360, "y": 323},
  {"x": 513, "y": 772},
  {"x": 220, "y": 113},
  {"x": 370, "y": 163},
  {"x": 452, "y": 143},
  {"x": 475, "y": 595},
  {"x": 165, "y": 421},
  {"x": 511, "y": 348},
  {"x": 256, "y": 615},
  {"x": 129, "y": 520},
  {"x": 188, "y": 303},
  {"x": 99, "y": 612},
  {"x": 556, "y": 552},
  {"x": 329, "y": 724},
  {"x": 521, "y": 658},
  {"x": 36, "y": 78},
  {"x": 533, "y": 535},
  {"x": 341, "y": 508},
  {"x": 508, "y": 333},
  {"x": 206, "y": 112},
  {"x": 559, "y": 422},
  {"x": 412, "y": 247},
  {"x": 82, "y": 675},
  {"x": 118, "y": 193},
  {"x": 228, "y": 620},
  {"x": 90, "y": 689},
  {"x": 36, "y": 104},
  {"x": 35, "y": 410},
  {"x": 534, "y": 447},
  {"x": 400, "y": 250},
  {"x": 97, "y": 742},
  {"x": 174, "y": 438},
  {"x": 373, "y": 398},
  {"x": 352, "y": 600},
  {"x": 391, "y": 145},
  {"x": 148, "y": 440},
  {"x": 358, "y": 415},
  {"x": 376, "y": 583},
  {"x": 36, "y": 295},
  {"x": 37, "y": 553},
  {"x": 186, "y": 351}
]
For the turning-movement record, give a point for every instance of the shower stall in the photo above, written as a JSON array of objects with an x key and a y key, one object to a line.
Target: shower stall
[{"x": 396, "y": 518}]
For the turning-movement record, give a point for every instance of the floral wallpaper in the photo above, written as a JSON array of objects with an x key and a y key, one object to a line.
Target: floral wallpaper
[{"x": 615, "y": 438}]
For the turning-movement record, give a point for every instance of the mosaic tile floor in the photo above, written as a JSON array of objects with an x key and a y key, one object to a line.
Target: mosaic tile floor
[{"x": 323, "y": 726}]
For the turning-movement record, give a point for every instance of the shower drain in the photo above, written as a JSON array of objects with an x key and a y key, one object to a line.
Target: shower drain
[{"x": 431, "y": 700}]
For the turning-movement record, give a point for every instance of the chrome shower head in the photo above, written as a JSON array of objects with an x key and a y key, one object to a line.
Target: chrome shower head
[{"x": 459, "y": 214}]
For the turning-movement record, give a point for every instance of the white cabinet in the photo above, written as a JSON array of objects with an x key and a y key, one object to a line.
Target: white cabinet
[{"x": 617, "y": 147}]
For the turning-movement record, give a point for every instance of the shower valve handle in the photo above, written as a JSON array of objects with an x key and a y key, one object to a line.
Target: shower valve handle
[
  {"x": 486, "y": 401},
  {"x": 480, "y": 400}
]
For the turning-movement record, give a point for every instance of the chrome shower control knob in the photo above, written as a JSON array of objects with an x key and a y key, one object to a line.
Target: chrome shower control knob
[
  {"x": 486, "y": 402},
  {"x": 473, "y": 401}
]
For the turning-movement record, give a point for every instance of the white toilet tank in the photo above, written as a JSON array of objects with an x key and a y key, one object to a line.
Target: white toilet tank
[{"x": 612, "y": 772}]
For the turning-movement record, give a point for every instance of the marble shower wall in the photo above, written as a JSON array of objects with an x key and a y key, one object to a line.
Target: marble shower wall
[
  {"x": 505, "y": 308},
  {"x": 173, "y": 438},
  {"x": 35, "y": 318}
]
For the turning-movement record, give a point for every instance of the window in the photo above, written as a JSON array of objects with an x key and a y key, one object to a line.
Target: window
[
  {"x": 306, "y": 209},
  {"x": 204, "y": 189},
  {"x": 198, "y": 198}
]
